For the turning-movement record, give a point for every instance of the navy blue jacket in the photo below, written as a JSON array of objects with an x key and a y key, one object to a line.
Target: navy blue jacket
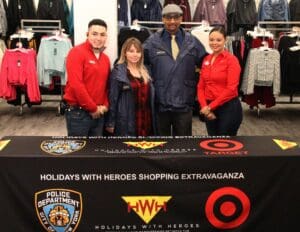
[
  {"x": 175, "y": 81},
  {"x": 121, "y": 114},
  {"x": 146, "y": 10}
]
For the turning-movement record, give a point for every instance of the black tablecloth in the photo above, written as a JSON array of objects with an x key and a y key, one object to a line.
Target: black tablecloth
[{"x": 165, "y": 184}]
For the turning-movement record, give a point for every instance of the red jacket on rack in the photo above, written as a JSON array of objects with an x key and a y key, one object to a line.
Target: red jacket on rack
[{"x": 19, "y": 69}]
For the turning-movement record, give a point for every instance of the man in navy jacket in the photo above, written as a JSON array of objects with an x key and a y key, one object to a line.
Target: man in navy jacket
[{"x": 174, "y": 80}]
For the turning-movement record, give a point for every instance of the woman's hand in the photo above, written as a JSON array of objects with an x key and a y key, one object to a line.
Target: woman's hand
[
  {"x": 211, "y": 116},
  {"x": 206, "y": 111}
]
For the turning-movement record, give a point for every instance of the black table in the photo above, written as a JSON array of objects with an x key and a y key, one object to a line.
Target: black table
[{"x": 190, "y": 184}]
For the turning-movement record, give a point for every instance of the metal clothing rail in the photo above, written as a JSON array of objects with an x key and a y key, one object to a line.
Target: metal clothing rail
[
  {"x": 41, "y": 25},
  {"x": 293, "y": 23},
  {"x": 137, "y": 22},
  {"x": 159, "y": 22},
  {"x": 289, "y": 26}
]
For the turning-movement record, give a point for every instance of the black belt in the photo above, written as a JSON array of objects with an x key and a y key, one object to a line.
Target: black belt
[
  {"x": 64, "y": 106},
  {"x": 70, "y": 107}
]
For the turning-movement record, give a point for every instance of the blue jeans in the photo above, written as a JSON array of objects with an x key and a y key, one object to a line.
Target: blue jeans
[
  {"x": 228, "y": 121},
  {"x": 80, "y": 123}
]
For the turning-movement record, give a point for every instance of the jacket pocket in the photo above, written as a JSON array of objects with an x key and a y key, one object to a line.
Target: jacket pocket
[
  {"x": 159, "y": 90},
  {"x": 190, "y": 91}
]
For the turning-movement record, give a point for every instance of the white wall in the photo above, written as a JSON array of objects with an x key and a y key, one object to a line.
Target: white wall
[{"x": 86, "y": 10}]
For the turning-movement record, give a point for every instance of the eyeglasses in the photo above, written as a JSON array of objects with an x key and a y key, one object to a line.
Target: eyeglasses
[{"x": 170, "y": 17}]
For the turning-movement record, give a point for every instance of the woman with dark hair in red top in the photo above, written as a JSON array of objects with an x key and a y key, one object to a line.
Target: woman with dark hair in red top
[{"x": 218, "y": 88}]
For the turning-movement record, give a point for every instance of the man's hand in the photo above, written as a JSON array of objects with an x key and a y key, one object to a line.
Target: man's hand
[
  {"x": 103, "y": 109},
  {"x": 99, "y": 112}
]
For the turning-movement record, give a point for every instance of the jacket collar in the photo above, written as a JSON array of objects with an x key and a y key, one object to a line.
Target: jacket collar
[
  {"x": 122, "y": 72},
  {"x": 89, "y": 46}
]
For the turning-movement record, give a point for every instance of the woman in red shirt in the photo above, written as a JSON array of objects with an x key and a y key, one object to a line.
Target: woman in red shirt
[{"x": 218, "y": 88}]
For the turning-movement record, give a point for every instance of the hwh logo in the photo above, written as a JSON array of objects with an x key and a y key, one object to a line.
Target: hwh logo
[{"x": 146, "y": 206}]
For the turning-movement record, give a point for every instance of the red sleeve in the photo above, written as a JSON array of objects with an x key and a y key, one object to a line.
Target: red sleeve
[
  {"x": 230, "y": 91},
  {"x": 6, "y": 90},
  {"x": 75, "y": 66},
  {"x": 3, "y": 76},
  {"x": 33, "y": 90}
]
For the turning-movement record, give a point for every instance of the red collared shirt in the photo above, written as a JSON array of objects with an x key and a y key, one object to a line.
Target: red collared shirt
[{"x": 218, "y": 80}]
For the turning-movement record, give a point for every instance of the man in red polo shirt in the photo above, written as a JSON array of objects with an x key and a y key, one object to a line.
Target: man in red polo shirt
[{"x": 88, "y": 69}]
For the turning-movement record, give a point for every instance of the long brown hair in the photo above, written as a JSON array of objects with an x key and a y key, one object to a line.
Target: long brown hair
[{"x": 132, "y": 41}]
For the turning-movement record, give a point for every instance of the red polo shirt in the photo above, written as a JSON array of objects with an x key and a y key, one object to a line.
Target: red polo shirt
[
  {"x": 218, "y": 80},
  {"x": 87, "y": 78}
]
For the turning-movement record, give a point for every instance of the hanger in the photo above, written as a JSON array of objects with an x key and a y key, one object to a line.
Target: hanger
[
  {"x": 23, "y": 50},
  {"x": 56, "y": 36},
  {"x": 296, "y": 47},
  {"x": 294, "y": 33},
  {"x": 135, "y": 26},
  {"x": 203, "y": 26},
  {"x": 22, "y": 34},
  {"x": 260, "y": 32},
  {"x": 264, "y": 46},
  {"x": 19, "y": 48}
]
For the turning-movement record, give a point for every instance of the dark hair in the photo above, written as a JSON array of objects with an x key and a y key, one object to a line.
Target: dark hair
[
  {"x": 219, "y": 29},
  {"x": 98, "y": 22}
]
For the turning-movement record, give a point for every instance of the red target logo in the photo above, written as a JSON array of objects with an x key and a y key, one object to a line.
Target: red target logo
[
  {"x": 227, "y": 208},
  {"x": 221, "y": 145}
]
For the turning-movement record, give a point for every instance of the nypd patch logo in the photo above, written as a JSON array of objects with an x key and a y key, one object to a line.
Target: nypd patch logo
[
  {"x": 62, "y": 147},
  {"x": 59, "y": 210}
]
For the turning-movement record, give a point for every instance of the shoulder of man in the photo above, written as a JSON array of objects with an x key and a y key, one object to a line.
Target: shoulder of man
[{"x": 154, "y": 36}]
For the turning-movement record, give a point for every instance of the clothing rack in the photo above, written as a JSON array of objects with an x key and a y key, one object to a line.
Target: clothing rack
[
  {"x": 289, "y": 26},
  {"x": 288, "y": 23},
  {"x": 42, "y": 26},
  {"x": 137, "y": 23},
  {"x": 159, "y": 22}
]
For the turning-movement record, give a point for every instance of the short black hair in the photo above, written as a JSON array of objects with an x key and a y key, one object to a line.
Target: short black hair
[
  {"x": 98, "y": 22},
  {"x": 220, "y": 29}
]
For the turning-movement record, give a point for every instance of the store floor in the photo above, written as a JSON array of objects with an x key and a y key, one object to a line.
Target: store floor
[{"x": 280, "y": 120}]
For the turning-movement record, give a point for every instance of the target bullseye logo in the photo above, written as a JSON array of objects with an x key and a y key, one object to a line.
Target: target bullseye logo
[
  {"x": 227, "y": 208},
  {"x": 225, "y": 145}
]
